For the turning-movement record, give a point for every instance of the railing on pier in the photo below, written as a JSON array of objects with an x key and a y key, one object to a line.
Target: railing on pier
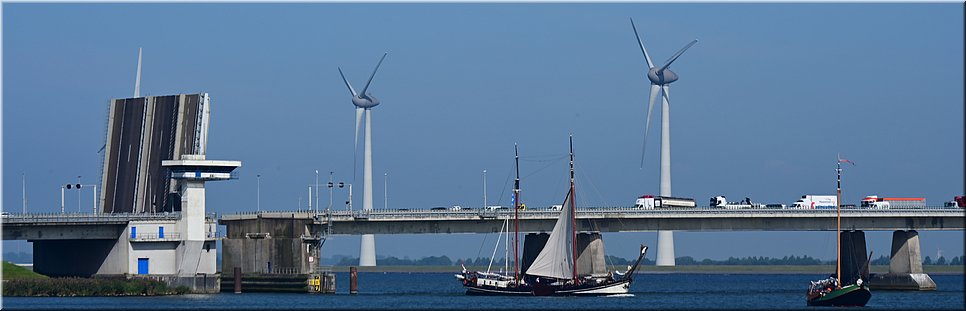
[{"x": 156, "y": 236}]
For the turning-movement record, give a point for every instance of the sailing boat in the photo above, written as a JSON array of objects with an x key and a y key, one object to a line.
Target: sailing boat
[
  {"x": 829, "y": 292},
  {"x": 554, "y": 272}
]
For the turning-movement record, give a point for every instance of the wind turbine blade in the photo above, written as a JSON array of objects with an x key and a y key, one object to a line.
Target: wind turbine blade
[
  {"x": 678, "y": 54},
  {"x": 655, "y": 89},
  {"x": 351, "y": 90},
  {"x": 373, "y": 74},
  {"x": 646, "y": 57},
  {"x": 355, "y": 147},
  {"x": 137, "y": 79}
]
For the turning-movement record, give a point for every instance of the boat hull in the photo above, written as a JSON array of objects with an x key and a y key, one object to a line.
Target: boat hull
[
  {"x": 849, "y": 296},
  {"x": 608, "y": 288}
]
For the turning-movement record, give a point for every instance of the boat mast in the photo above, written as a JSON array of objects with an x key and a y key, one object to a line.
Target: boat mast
[
  {"x": 516, "y": 216},
  {"x": 573, "y": 209},
  {"x": 838, "y": 224}
]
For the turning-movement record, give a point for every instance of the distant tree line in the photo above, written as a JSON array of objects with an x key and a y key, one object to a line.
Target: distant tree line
[
  {"x": 941, "y": 261},
  {"x": 751, "y": 260}
]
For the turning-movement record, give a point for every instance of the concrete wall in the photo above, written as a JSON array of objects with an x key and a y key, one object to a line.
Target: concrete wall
[
  {"x": 63, "y": 232},
  {"x": 270, "y": 245},
  {"x": 162, "y": 257}
]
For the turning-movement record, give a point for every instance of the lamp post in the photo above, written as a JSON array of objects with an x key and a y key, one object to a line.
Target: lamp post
[
  {"x": 385, "y": 189},
  {"x": 330, "y": 192},
  {"x": 258, "y": 192},
  {"x": 78, "y": 193},
  {"x": 23, "y": 176},
  {"x": 316, "y": 192},
  {"x": 484, "y": 189}
]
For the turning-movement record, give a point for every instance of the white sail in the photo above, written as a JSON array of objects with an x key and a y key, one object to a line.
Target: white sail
[{"x": 556, "y": 260}]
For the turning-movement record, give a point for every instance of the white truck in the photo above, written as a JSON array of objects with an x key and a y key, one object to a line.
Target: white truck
[
  {"x": 722, "y": 202},
  {"x": 811, "y": 201},
  {"x": 650, "y": 202},
  {"x": 875, "y": 202}
]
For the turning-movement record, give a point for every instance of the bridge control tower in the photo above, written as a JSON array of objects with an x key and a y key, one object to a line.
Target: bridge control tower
[{"x": 193, "y": 171}]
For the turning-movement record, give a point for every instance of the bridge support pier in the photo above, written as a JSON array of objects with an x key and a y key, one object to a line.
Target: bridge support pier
[
  {"x": 854, "y": 257},
  {"x": 905, "y": 265},
  {"x": 665, "y": 248}
]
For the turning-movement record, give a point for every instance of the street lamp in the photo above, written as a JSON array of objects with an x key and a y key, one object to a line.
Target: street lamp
[
  {"x": 316, "y": 192},
  {"x": 484, "y": 189},
  {"x": 78, "y": 193},
  {"x": 258, "y": 192},
  {"x": 330, "y": 192},
  {"x": 385, "y": 189}
]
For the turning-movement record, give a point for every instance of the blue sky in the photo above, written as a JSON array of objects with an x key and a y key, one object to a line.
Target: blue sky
[{"x": 766, "y": 99}]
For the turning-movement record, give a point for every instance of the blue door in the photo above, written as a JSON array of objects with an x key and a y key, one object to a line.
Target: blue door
[
  {"x": 142, "y": 266},
  {"x": 160, "y": 232}
]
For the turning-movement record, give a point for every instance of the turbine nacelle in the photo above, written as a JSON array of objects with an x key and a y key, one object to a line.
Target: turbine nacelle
[
  {"x": 660, "y": 77},
  {"x": 363, "y": 99},
  {"x": 366, "y": 101}
]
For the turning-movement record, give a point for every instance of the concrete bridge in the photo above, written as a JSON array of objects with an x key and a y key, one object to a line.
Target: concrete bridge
[
  {"x": 257, "y": 239},
  {"x": 77, "y": 226},
  {"x": 620, "y": 219}
]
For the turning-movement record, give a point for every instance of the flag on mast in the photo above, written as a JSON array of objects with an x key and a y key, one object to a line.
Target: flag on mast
[{"x": 841, "y": 160}]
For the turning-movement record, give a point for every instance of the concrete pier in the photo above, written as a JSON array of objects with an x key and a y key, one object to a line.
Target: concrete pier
[
  {"x": 854, "y": 257},
  {"x": 905, "y": 265},
  {"x": 275, "y": 252}
]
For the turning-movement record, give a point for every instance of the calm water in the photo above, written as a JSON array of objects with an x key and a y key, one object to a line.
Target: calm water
[{"x": 442, "y": 291}]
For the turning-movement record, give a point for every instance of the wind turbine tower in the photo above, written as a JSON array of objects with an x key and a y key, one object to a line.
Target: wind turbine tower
[
  {"x": 660, "y": 78},
  {"x": 364, "y": 103}
]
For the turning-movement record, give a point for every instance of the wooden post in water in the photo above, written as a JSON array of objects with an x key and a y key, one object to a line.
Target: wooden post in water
[
  {"x": 353, "y": 283},
  {"x": 237, "y": 272}
]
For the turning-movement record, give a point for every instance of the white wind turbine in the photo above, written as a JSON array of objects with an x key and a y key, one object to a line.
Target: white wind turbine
[
  {"x": 660, "y": 78},
  {"x": 364, "y": 103}
]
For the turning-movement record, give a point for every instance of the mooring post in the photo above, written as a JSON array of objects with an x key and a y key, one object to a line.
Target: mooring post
[
  {"x": 237, "y": 271},
  {"x": 353, "y": 283}
]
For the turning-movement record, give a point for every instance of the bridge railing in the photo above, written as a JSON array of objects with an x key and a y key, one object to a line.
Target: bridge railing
[
  {"x": 82, "y": 217},
  {"x": 588, "y": 212},
  {"x": 157, "y": 236},
  {"x": 610, "y": 212}
]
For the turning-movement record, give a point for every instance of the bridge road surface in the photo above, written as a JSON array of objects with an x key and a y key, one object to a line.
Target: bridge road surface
[
  {"x": 143, "y": 132},
  {"x": 123, "y": 154}
]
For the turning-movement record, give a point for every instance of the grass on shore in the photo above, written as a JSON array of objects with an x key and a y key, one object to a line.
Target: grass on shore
[
  {"x": 20, "y": 281},
  {"x": 12, "y": 272}
]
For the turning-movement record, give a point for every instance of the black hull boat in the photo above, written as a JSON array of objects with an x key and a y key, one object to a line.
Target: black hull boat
[
  {"x": 829, "y": 292},
  {"x": 554, "y": 271},
  {"x": 848, "y": 296}
]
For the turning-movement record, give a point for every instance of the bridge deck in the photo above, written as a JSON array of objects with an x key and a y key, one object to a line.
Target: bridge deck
[{"x": 625, "y": 219}]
